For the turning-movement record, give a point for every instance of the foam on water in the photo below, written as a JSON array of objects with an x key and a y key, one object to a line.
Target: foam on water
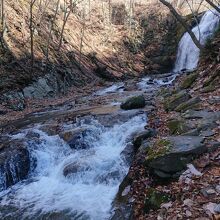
[
  {"x": 148, "y": 83},
  {"x": 119, "y": 87},
  {"x": 90, "y": 191}
]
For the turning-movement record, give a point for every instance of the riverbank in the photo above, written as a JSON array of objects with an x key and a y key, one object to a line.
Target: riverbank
[
  {"x": 162, "y": 186},
  {"x": 104, "y": 106}
]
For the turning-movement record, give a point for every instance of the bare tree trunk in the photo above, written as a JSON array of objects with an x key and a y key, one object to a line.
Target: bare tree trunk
[
  {"x": 2, "y": 22},
  {"x": 2, "y": 15},
  {"x": 109, "y": 11},
  {"x": 66, "y": 16},
  {"x": 183, "y": 23},
  {"x": 72, "y": 5},
  {"x": 194, "y": 15},
  {"x": 32, "y": 33},
  {"x": 51, "y": 29},
  {"x": 213, "y": 5},
  {"x": 82, "y": 36}
]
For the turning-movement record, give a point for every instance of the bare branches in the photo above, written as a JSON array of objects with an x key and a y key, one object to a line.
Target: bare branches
[
  {"x": 213, "y": 5},
  {"x": 183, "y": 23},
  {"x": 3, "y": 26},
  {"x": 68, "y": 9},
  {"x": 32, "y": 32},
  {"x": 51, "y": 29}
]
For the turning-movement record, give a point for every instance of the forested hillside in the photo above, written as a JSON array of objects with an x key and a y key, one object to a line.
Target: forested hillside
[
  {"x": 109, "y": 109},
  {"x": 83, "y": 38}
]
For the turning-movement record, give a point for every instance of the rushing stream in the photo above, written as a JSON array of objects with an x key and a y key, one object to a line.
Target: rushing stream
[
  {"x": 87, "y": 191},
  {"x": 81, "y": 182}
]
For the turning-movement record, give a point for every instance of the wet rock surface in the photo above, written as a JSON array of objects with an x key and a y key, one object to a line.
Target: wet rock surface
[
  {"x": 14, "y": 163},
  {"x": 75, "y": 167},
  {"x": 76, "y": 138},
  {"x": 142, "y": 136}
]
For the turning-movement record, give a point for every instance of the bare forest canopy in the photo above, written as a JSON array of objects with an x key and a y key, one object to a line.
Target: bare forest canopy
[{"x": 85, "y": 34}]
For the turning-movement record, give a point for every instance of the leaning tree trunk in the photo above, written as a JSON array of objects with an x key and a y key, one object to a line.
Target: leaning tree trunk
[
  {"x": 213, "y": 5},
  {"x": 183, "y": 23},
  {"x": 2, "y": 31},
  {"x": 32, "y": 33}
]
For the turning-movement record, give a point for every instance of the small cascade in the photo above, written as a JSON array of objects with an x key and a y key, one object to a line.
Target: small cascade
[
  {"x": 188, "y": 52},
  {"x": 72, "y": 183}
]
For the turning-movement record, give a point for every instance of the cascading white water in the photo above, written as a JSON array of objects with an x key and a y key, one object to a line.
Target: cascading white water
[
  {"x": 188, "y": 52},
  {"x": 87, "y": 193},
  {"x": 119, "y": 87}
]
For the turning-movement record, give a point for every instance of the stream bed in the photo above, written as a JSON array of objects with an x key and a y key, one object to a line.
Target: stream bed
[
  {"x": 72, "y": 168},
  {"x": 75, "y": 171},
  {"x": 76, "y": 183}
]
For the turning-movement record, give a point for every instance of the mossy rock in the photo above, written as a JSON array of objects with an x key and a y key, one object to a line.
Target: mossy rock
[
  {"x": 164, "y": 92},
  {"x": 155, "y": 199},
  {"x": 211, "y": 86},
  {"x": 175, "y": 100},
  {"x": 134, "y": 103},
  {"x": 174, "y": 153},
  {"x": 214, "y": 79},
  {"x": 158, "y": 149},
  {"x": 189, "y": 80},
  {"x": 177, "y": 127},
  {"x": 193, "y": 103}
]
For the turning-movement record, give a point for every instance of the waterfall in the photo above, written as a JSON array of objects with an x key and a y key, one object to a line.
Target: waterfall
[{"x": 188, "y": 52}]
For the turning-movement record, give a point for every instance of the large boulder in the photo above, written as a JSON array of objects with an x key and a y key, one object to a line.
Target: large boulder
[
  {"x": 177, "y": 127},
  {"x": 14, "y": 163},
  {"x": 175, "y": 100},
  {"x": 192, "y": 103},
  {"x": 39, "y": 89},
  {"x": 205, "y": 119},
  {"x": 134, "y": 103},
  {"x": 168, "y": 157},
  {"x": 188, "y": 80},
  {"x": 203, "y": 114}
]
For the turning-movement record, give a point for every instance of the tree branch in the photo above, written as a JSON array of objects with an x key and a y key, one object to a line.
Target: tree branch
[
  {"x": 183, "y": 23},
  {"x": 213, "y": 5}
]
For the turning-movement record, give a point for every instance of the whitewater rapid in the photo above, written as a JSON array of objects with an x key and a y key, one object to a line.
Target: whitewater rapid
[{"x": 85, "y": 194}]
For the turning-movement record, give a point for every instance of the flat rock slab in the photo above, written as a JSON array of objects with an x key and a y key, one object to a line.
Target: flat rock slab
[
  {"x": 192, "y": 114},
  {"x": 185, "y": 144},
  {"x": 181, "y": 151}
]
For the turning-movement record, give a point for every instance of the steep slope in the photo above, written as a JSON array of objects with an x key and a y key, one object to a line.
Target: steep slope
[{"x": 108, "y": 40}]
